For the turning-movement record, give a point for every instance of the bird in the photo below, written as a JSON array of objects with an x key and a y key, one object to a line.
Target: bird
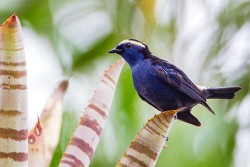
[{"x": 165, "y": 86}]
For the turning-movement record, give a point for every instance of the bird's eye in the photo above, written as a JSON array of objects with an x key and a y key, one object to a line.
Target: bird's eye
[{"x": 128, "y": 45}]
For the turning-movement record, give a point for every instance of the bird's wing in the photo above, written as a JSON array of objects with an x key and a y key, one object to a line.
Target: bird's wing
[{"x": 176, "y": 78}]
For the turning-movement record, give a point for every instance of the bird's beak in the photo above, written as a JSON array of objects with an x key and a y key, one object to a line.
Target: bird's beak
[{"x": 115, "y": 50}]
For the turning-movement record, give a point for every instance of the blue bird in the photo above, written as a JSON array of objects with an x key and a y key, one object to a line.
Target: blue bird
[{"x": 165, "y": 86}]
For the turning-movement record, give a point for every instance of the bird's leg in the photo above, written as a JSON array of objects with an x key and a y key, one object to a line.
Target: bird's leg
[
  {"x": 175, "y": 117},
  {"x": 179, "y": 107}
]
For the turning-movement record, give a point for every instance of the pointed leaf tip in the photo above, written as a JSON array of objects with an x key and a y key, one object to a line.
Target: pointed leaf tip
[
  {"x": 36, "y": 146},
  {"x": 173, "y": 112},
  {"x": 11, "y": 22},
  {"x": 63, "y": 86},
  {"x": 13, "y": 17},
  {"x": 35, "y": 132},
  {"x": 39, "y": 127},
  {"x": 120, "y": 61}
]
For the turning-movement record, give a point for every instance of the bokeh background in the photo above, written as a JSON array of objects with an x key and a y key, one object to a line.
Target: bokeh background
[{"x": 208, "y": 39}]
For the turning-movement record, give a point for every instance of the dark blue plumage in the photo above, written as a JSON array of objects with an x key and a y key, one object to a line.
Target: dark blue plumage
[{"x": 163, "y": 85}]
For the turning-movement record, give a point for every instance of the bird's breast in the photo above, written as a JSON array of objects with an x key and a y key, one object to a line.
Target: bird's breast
[
  {"x": 141, "y": 78},
  {"x": 146, "y": 83}
]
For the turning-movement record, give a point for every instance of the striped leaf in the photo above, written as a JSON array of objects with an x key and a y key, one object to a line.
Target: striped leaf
[
  {"x": 36, "y": 146},
  {"x": 87, "y": 134},
  {"x": 145, "y": 149},
  {"x": 51, "y": 118},
  {"x": 13, "y": 92}
]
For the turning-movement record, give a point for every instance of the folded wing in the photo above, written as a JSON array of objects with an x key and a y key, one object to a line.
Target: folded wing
[{"x": 176, "y": 78}]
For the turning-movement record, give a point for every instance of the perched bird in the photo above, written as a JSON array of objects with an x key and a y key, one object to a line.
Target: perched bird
[{"x": 165, "y": 86}]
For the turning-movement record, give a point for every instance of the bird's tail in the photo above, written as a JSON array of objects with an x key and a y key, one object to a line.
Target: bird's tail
[
  {"x": 209, "y": 93},
  {"x": 221, "y": 92}
]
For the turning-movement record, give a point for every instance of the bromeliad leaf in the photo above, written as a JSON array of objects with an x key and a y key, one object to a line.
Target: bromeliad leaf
[
  {"x": 51, "y": 118},
  {"x": 13, "y": 95},
  {"x": 87, "y": 134},
  {"x": 145, "y": 149}
]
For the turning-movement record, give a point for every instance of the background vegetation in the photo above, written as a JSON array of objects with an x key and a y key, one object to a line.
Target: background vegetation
[{"x": 208, "y": 39}]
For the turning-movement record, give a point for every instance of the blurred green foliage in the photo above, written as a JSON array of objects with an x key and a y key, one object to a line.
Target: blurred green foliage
[{"x": 64, "y": 24}]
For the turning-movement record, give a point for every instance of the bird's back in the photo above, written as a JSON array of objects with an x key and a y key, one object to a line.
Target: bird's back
[{"x": 157, "y": 93}]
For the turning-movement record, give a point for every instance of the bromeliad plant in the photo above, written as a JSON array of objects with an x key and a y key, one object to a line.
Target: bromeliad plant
[{"x": 18, "y": 147}]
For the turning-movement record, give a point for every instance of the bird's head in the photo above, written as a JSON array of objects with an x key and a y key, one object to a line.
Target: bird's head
[{"x": 132, "y": 51}]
